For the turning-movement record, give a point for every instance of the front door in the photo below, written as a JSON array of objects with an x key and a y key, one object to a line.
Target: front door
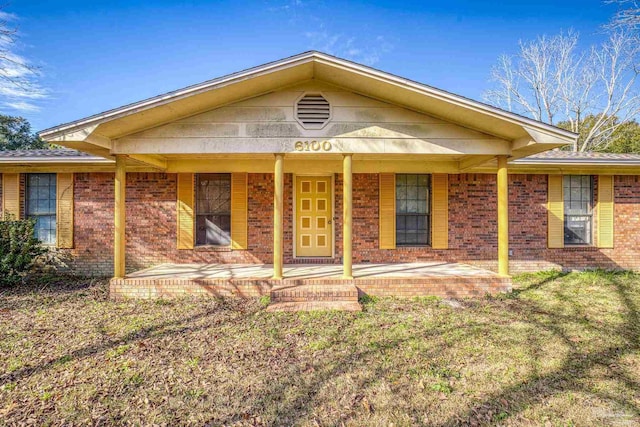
[{"x": 314, "y": 216}]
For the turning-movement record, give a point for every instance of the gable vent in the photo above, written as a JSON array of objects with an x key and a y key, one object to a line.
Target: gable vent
[{"x": 313, "y": 111}]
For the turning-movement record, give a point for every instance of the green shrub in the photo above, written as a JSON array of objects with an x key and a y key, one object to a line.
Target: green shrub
[{"x": 18, "y": 250}]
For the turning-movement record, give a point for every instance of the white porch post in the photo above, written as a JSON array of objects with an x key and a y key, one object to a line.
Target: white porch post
[
  {"x": 347, "y": 210},
  {"x": 278, "y": 216}
]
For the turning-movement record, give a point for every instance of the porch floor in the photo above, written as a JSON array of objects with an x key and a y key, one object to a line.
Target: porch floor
[
  {"x": 250, "y": 280},
  {"x": 309, "y": 271}
]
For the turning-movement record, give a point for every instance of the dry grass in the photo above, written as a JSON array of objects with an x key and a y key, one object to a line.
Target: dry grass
[{"x": 560, "y": 350}]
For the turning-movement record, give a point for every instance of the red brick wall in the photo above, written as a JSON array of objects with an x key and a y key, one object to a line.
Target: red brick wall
[
  {"x": 151, "y": 224},
  {"x": 472, "y": 222},
  {"x": 528, "y": 235},
  {"x": 473, "y": 226},
  {"x": 93, "y": 223}
]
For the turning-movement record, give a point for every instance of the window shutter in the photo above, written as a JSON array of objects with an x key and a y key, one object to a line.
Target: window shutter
[
  {"x": 239, "y": 239},
  {"x": 64, "y": 210},
  {"x": 387, "y": 211},
  {"x": 555, "y": 212},
  {"x": 440, "y": 211},
  {"x": 605, "y": 211},
  {"x": 11, "y": 195},
  {"x": 186, "y": 204}
]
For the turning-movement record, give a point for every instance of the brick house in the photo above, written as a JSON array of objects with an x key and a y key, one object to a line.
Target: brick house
[{"x": 318, "y": 162}]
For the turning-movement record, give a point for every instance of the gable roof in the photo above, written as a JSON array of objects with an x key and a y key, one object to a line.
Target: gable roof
[{"x": 99, "y": 129}]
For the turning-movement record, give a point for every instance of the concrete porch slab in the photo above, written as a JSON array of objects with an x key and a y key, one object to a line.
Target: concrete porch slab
[
  {"x": 313, "y": 271},
  {"x": 452, "y": 280}
]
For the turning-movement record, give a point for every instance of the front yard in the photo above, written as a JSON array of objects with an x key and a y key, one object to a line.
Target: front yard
[{"x": 560, "y": 350}]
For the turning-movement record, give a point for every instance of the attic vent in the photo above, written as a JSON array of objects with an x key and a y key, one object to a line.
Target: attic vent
[{"x": 313, "y": 111}]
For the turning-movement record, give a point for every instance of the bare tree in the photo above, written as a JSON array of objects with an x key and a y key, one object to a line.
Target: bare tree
[
  {"x": 627, "y": 18},
  {"x": 552, "y": 80},
  {"x": 18, "y": 77}
]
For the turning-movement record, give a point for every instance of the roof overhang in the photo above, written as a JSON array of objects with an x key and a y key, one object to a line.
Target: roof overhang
[{"x": 95, "y": 134}]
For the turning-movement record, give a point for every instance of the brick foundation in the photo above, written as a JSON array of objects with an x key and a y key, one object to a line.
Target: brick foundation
[{"x": 446, "y": 287}]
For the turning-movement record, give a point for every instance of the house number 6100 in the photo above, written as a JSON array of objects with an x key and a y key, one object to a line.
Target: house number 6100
[{"x": 313, "y": 146}]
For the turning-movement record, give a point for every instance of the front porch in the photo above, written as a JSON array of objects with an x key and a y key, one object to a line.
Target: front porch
[{"x": 450, "y": 280}]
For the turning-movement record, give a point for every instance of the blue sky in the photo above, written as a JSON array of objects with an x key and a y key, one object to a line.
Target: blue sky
[{"x": 96, "y": 55}]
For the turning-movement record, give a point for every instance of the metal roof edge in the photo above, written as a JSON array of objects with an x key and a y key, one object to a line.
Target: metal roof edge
[{"x": 586, "y": 162}]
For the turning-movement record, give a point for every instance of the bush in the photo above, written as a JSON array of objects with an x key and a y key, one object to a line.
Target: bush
[{"x": 18, "y": 250}]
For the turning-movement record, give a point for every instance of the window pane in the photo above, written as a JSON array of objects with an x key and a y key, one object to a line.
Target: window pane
[
  {"x": 426, "y": 201},
  {"x": 213, "y": 230},
  {"x": 422, "y": 207},
  {"x": 401, "y": 222},
  {"x": 412, "y": 206},
  {"x": 575, "y": 194},
  {"x": 401, "y": 238},
  {"x": 578, "y": 202},
  {"x": 412, "y": 223},
  {"x": 577, "y": 229},
  {"x": 41, "y": 205},
  {"x": 401, "y": 192},
  {"x": 213, "y": 209},
  {"x": 423, "y": 238},
  {"x": 412, "y": 192}
]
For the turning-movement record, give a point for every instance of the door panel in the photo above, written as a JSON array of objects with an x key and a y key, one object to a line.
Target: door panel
[{"x": 314, "y": 216}]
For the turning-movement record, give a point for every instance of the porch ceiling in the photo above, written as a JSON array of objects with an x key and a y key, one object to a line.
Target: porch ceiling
[{"x": 325, "y": 163}]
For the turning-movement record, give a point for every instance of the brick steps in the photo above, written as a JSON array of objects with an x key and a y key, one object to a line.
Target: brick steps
[
  {"x": 315, "y": 297},
  {"x": 315, "y": 306}
]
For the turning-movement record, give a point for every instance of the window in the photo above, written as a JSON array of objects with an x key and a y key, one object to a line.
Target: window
[
  {"x": 412, "y": 210},
  {"x": 578, "y": 209},
  {"x": 213, "y": 209},
  {"x": 41, "y": 205}
]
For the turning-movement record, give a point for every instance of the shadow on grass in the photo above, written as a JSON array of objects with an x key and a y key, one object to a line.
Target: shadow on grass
[
  {"x": 570, "y": 375},
  {"x": 538, "y": 280},
  {"x": 175, "y": 327},
  {"x": 289, "y": 398},
  {"x": 508, "y": 401},
  {"x": 56, "y": 289}
]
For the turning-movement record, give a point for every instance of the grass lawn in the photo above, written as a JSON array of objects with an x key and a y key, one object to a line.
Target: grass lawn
[{"x": 561, "y": 350}]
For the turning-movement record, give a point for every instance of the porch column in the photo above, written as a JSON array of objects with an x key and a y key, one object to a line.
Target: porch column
[
  {"x": 119, "y": 243},
  {"x": 347, "y": 210},
  {"x": 503, "y": 217},
  {"x": 278, "y": 216}
]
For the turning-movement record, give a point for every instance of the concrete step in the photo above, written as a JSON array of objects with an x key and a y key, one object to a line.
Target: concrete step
[
  {"x": 315, "y": 306},
  {"x": 315, "y": 293}
]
